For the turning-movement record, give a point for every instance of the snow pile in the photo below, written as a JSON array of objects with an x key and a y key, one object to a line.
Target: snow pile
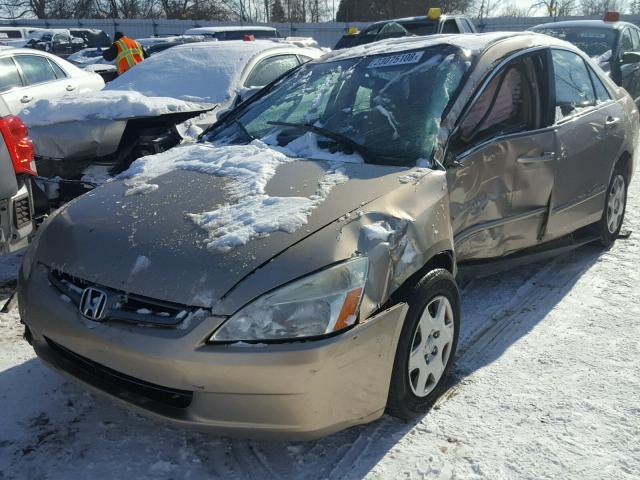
[
  {"x": 251, "y": 213},
  {"x": 206, "y": 71},
  {"x": 103, "y": 105}
]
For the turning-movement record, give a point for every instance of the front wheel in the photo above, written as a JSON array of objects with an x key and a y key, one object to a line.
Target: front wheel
[
  {"x": 614, "y": 208},
  {"x": 427, "y": 345}
]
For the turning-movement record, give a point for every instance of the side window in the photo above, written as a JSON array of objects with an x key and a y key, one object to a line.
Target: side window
[
  {"x": 602, "y": 94},
  {"x": 572, "y": 83},
  {"x": 450, "y": 26},
  {"x": 269, "y": 69},
  {"x": 508, "y": 104},
  {"x": 635, "y": 39},
  {"x": 58, "y": 71},
  {"x": 626, "y": 41},
  {"x": 9, "y": 76},
  {"x": 35, "y": 69}
]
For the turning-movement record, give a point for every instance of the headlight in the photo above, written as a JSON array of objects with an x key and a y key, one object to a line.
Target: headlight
[{"x": 322, "y": 303}]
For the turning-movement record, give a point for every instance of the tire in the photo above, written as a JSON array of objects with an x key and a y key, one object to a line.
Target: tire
[
  {"x": 615, "y": 206},
  {"x": 433, "y": 354}
]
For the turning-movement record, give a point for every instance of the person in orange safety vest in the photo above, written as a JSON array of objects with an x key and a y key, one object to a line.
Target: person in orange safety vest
[{"x": 126, "y": 51}]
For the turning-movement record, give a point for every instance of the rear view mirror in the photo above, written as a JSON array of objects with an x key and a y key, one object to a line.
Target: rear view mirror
[{"x": 630, "y": 57}]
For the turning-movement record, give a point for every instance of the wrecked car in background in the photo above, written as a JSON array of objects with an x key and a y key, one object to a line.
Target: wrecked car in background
[
  {"x": 151, "y": 108},
  {"x": 614, "y": 46},
  {"x": 293, "y": 272}
]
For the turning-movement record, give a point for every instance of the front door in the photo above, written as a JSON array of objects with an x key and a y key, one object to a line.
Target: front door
[{"x": 502, "y": 178}]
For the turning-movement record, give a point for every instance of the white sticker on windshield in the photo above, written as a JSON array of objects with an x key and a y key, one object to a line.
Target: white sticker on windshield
[{"x": 393, "y": 60}]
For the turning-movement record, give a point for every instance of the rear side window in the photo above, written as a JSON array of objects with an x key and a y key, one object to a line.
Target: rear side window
[
  {"x": 58, "y": 71},
  {"x": 572, "y": 83},
  {"x": 35, "y": 69},
  {"x": 267, "y": 70},
  {"x": 9, "y": 76},
  {"x": 450, "y": 26},
  {"x": 626, "y": 42}
]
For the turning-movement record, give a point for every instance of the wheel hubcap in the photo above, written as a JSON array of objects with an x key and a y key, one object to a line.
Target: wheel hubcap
[
  {"x": 431, "y": 346},
  {"x": 615, "y": 203}
]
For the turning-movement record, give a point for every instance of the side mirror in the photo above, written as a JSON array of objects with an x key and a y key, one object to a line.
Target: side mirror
[{"x": 630, "y": 57}]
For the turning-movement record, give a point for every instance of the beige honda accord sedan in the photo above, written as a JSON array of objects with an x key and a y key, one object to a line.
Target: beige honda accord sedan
[{"x": 293, "y": 272}]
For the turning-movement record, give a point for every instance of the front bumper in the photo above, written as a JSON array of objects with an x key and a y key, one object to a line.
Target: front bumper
[{"x": 299, "y": 390}]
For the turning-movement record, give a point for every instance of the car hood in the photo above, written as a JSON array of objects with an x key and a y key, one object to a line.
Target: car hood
[{"x": 146, "y": 244}]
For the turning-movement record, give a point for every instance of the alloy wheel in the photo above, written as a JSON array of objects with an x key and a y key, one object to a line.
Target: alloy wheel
[
  {"x": 615, "y": 203},
  {"x": 431, "y": 346}
]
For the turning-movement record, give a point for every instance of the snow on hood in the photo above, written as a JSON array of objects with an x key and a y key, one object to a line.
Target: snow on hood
[
  {"x": 249, "y": 212},
  {"x": 207, "y": 71},
  {"x": 103, "y": 105}
]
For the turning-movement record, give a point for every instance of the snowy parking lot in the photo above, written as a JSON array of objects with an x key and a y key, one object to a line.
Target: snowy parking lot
[{"x": 546, "y": 386}]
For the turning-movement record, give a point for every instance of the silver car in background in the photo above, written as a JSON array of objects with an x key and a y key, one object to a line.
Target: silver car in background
[{"x": 293, "y": 273}]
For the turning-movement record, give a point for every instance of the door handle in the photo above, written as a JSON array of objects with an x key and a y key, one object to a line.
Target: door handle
[
  {"x": 71, "y": 88},
  {"x": 545, "y": 157},
  {"x": 26, "y": 99},
  {"x": 611, "y": 121}
]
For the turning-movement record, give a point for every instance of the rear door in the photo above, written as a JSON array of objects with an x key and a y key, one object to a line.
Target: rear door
[
  {"x": 11, "y": 84},
  {"x": 502, "y": 177},
  {"x": 42, "y": 80},
  {"x": 590, "y": 135}
]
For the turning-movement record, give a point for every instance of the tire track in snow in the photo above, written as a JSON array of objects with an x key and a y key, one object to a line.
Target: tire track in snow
[{"x": 502, "y": 326}]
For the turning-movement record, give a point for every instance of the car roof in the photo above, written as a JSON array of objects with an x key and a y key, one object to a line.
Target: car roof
[
  {"x": 585, "y": 23},
  {"x": 475, "y": 42},
  {"x": 421, "y": 18},
  {"x": 231, "y": 29}
]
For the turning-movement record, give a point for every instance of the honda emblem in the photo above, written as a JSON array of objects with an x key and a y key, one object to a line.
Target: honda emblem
[{"x": 93, "y": 303}]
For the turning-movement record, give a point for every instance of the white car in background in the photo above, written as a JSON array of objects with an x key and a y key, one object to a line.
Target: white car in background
[
  {"x": 15, "y": 36},
  {"x": 154, "y": 106},
  {"x": 234, "y": 32},
  {"x": 27, "y": 76}
]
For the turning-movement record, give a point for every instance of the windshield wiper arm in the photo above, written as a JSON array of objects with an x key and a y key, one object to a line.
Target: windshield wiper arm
[
  {"x": 244, "y": 129},
  {"x": 338, "y": 137}
]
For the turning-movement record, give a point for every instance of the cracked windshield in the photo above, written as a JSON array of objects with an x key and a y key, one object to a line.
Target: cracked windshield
[{"x": 385, "y": 108}]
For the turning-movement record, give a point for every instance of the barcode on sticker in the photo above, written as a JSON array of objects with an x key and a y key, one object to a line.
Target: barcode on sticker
[{"x": 393, "y": 60}]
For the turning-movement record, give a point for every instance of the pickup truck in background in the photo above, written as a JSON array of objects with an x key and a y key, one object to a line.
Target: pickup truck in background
[{"x": 17, "y": 169}]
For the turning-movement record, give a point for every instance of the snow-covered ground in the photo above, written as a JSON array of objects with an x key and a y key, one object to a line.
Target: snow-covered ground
[{"x": 547, "y": 385}]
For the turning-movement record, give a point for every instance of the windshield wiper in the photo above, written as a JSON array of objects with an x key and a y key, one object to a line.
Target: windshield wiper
[{"x": 338, "y": 137}]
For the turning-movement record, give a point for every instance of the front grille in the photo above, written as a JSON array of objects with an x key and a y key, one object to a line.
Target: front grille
[
  {"x": 22, "y": 212},
  {"x": 123, "y": 306},
  {"x": 124, "y": 386}
]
